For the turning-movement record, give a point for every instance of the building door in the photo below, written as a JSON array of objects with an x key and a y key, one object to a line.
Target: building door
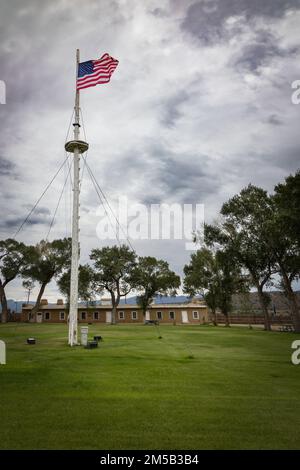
[
  {"x": 108, "y": 317},
  {"x": 39, "y": 317},
  {"x": 184, "y": 316},
  {"x": 147, "y": 315}
]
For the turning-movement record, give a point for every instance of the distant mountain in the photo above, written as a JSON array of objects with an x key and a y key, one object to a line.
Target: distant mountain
[
  {"x": 163, "y": 299},
  {"x": 179, "y": 299},
  {"x": 279, "y": 304},
  {"x": 16, "y": 305}
]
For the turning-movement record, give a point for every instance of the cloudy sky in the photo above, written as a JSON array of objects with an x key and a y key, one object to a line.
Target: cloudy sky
[{"x": 199, "y": 106}]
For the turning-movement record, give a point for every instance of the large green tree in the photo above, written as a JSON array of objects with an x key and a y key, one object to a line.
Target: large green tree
[
  {"x": 200, "y": 278},
  {"x": 48, "y": 260},
  {"x": 28, "y": 285},
  {"x": 13, "y": 256},
  {"x": 85, "y": 283},
  {"x": 287, "y": 199},
  {"x": 262, "y": 232},
  {"x": 242, "y": 232},
  {"x": 113, "y": 268},
  {"x": 216, "y": 277},
  {"x": 283, "y": 234},
  {"x": 153, "y": 277}
]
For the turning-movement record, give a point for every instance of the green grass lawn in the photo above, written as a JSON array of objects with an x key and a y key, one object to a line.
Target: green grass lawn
[{"x": 198, "y": 387}]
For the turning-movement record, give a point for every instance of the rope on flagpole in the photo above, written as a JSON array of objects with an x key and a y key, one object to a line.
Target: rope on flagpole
[
  {"x": 58, "y": 202},
  {"x": 86, "y": 153},
  {"x": 39, "y": 199},
  {"x": 108, "y": 204},
  {"x": 92, "y": 177},
  {"x": 96, "y": 184}
]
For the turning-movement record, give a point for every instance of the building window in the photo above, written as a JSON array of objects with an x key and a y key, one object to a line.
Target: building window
[
  {"x": 159, "y": 315},
  {"x": 62, "y": 315},
  {"x": 83, "y": 315},
  {"x": 121, "y": 316},
  {"x": 172, "y": 315},
  {"x": 47, "y": 315},
  {"x": 134, "y": 315},
  {"x": 96, "y": 315},
  {"x": 195, "y": 315}
]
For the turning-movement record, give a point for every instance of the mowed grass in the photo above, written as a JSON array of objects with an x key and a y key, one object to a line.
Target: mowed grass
[{"x": 198, "y": 387}]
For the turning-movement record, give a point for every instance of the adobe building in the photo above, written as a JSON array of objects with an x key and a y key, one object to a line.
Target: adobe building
[{"x": 194, "y": 312}]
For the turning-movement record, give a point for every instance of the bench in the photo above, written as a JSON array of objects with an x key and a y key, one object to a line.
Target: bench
[
  {"x": 97, "y": 338},
  {"x": 151, "y": 322},
  {"x": 30, "y": 340},
  {"x": 91, "y": 345},
  {"x": 287, "y": 328}
]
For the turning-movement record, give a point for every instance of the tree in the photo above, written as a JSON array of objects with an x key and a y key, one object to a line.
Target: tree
[
  {"x": 283, "y": 233},
  {"x": 47, "y": 261},
  {"x": 113, "y": 268},
  {"x": 242, "y": 232},
  {"x": 216, "y": 277},
  {"x": 229, "y": 281},
  {"x": 153, "y": 277},
  {"x": 85, "y": 279},
  {"x": 12, "y": 258},
  {"x": 28, "y": 286},
  {"x": 287, "y": 199},
  {"x": 244, "y": 305},
  {"x": 200, "y": 278}
]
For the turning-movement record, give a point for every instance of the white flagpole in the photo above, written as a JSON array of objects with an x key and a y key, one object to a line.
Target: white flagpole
[
  {"x": 73, "y": 320},
  {"x": 76, "y": 147}
]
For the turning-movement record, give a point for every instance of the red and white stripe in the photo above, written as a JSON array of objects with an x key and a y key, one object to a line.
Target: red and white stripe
[{"x": 103, "y": 69}]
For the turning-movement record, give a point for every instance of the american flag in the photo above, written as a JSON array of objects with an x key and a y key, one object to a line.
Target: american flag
[{"x": 94, "y": 72}]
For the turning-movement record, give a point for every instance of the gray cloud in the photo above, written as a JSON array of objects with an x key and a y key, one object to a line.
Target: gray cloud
[
  {"x": 14, "y": 222},
  {"x": 185, "y": 183},
  {"x": 260, "y": 52},
  {"x": 206, "y": 20},
  {"x": 14, "y": 219},
  {"x": 159, "y": 12},
  {"x": 38, "y": 210},
  {"x": 171, "y": 109},
  {"x": 7, "y": 168},
  {"x": 275, "y": 120},
  {"x": 165, "y": 175},
  {"x": 288, "y": 159}
]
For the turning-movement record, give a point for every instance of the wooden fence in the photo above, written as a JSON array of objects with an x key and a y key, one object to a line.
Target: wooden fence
[{"x": 254, "y": 319}]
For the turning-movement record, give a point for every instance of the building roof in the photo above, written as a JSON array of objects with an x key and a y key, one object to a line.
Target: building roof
[{"x": 122, "y": 306}]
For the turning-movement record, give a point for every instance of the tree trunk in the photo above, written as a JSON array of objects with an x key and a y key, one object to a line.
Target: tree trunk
[
  {"x": 227, "y": 323},
  {"x": 294, "y": 306},
  {"x": 113, "y": 315},
  {"x": 214, "y": 317},
  {"x": 114, "y": 302},
  {"x": 264, "y": 307},
  {"x": 295, "y": 311},
  {"x": 38, "y": 300},
  {"x": 3, "y": 304}
]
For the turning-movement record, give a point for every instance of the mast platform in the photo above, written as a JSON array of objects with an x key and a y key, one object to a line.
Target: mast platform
[{"x": 79, "y": 145}]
